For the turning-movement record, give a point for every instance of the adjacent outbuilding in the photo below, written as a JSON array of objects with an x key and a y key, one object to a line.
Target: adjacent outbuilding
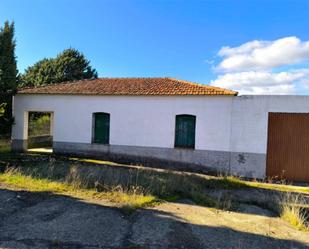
[{"x": 174, "y": 124}]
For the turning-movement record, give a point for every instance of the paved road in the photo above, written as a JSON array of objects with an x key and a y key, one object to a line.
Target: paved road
[{"x": 42, "y": 220}]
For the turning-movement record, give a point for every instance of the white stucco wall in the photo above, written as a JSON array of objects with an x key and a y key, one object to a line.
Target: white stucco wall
[
  {"x": 237, "y": 125},
  {"x": 135, "y": 120},
  {"x": 249, "y": 123}
]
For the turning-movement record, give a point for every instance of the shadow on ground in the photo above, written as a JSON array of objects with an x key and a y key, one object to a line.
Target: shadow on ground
[
  {"x": 44, "y": 220},
  {"x": 202, "y": 189}
]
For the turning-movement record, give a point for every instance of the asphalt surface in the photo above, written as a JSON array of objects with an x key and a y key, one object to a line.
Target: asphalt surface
[{"x": 44, "y": 220}]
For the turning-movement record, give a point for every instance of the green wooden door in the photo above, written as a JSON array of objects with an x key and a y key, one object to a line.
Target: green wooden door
[
  {"x": 185, "y": 131},
  {"x": 101, "y": 128}
]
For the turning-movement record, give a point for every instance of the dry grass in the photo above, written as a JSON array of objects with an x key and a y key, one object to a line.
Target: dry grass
[
  {"x": 222, "y": 182},
  {"x": 131, "y": 182},
  {"x": 292, "y": 209},
  {"x": 134, "y": 186},
  {"x": 108, "y": 177},
  {"x": 134, "y": 199}
]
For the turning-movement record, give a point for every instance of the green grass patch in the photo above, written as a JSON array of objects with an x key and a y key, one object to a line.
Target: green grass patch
[
  {"x": 278, "y": 187},
  {"x": 5, "y": 145},
  {"x": 225, "y": 182},
  {"x": 203, "y": 200}
]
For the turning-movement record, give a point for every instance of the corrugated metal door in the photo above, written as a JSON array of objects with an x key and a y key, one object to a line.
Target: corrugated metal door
[{"x": 288, "y": 146}]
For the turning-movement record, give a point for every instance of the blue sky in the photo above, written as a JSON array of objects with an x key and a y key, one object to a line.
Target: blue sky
[{"x": 180, "y": 39}]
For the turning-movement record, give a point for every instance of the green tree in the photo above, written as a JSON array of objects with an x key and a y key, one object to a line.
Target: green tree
[
  {"x": 69, "y": 65},
  {"x": 8, "y": 75},
  {"x": 41, "y": 73},
  {"x": 72, "y": 65},
  {"x": 2, "y": 109}
]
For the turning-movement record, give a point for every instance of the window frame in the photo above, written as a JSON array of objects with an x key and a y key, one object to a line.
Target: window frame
[
  {"x": 94, "y": 139},
  {"x": 177, "y": 134}
]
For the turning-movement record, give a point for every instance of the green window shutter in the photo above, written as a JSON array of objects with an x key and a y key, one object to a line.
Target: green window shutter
[
  {"x": 185, "y": 131},
  {"x": 101, "y": 128}
]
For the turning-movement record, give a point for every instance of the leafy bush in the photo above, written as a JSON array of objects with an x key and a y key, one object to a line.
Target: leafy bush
[{"x": 39, "y": 124}]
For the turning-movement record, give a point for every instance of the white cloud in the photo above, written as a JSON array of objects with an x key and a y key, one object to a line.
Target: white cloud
[
  {"x": 254, "y": 82},
  {"x": 253, "y": 67},
  {"x": 263, "y": 55}
]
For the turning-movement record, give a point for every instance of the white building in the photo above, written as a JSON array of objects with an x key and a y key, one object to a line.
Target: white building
[{"x": 173, "y": 123}]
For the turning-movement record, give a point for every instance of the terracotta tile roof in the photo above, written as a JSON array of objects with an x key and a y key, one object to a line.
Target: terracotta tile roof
[{"x": 129, "y": 86}]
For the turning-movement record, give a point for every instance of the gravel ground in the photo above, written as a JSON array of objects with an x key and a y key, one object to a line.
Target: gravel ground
[{"x": 44, "y": 220}]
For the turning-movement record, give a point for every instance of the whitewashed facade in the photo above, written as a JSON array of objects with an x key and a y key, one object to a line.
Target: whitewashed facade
[{"x": 231, "y": 131}]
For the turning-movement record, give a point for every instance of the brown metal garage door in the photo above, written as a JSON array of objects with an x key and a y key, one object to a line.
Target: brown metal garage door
[{"x": 288, "y": 146}]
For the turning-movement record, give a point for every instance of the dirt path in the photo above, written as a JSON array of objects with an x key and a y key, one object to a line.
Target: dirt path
[{"x": 43, "y": 220}]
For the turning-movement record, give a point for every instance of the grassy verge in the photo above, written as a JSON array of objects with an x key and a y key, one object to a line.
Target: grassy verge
[
  {"x": 134, "y": 186},
  {"x": 129, "y": 200},
  {"x": 5, "y": 145},
  {"x": 278, "y": 187},
  {"x": 219, "y": 182}
]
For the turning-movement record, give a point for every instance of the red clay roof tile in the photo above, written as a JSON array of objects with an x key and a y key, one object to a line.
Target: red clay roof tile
[{"x": 129, "y": 86}]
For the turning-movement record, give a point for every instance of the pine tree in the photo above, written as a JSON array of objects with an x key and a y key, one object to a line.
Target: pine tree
[
  {"x": 72, "y": 65},
  {"x": 67, "y": 66},
  {"x": 41, "y": 73},
  {"x": 8, "y": 78},
  {"x": 8, "y": 75}
]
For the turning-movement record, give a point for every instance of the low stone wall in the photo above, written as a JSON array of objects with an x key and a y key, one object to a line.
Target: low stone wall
[
  {"x": 40, "y": 141},
  {"x": 181, "y": 159},
  {"x": 19, "y": 145},
  {"x": 251, "y": 165},
  {"x": 202, "y": 161}
]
